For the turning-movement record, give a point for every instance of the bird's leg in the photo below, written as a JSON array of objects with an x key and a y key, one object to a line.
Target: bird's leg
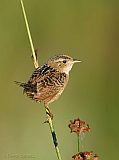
[{"x": 49, "y": 114}]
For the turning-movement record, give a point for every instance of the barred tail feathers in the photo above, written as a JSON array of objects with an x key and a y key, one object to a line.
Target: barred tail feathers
[
  {"x": 28, "y": 87},
  {"x": 21, "y": 84}
]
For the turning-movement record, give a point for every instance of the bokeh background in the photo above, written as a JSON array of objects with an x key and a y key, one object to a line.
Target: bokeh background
[{"x": 86, "y": 30}]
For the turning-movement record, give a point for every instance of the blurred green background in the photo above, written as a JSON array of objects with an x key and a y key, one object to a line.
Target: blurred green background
[{"x": 86, "y": 30}]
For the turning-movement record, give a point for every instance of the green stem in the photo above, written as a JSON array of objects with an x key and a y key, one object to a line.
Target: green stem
[
  {"x": 78, "y": 142},
  {"x": 29, "y": 35},
  {"x": 53, "y": 133}
]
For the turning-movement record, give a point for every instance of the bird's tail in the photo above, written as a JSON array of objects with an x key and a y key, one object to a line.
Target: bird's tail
[
  {"x": 20, "y": 84},
  {"x": 28, "y": 87}
]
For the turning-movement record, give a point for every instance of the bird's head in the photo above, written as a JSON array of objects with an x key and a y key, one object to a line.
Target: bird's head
[{"x": 62, "y": 63}]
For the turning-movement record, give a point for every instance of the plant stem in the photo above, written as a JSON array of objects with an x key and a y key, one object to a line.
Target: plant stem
[
  {"x": 29, "y": 35},
  {"x": 53, "y": 133},
  {"x": 54, "y": 137},
  {"x": 78, "y": 142}
]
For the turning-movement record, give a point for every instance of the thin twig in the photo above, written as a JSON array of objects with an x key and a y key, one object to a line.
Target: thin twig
[
  {"x": 53, "y": 133},
  {"x": 54, "y": 137},
  {"x": 29, "y": 35},
  {"x": 78, "y": 143}
]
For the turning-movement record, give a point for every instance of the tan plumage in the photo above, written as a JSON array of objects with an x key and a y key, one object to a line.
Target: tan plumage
[{"x": 48, "y": 81}]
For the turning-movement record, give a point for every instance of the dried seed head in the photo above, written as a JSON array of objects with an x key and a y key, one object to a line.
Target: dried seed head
[
  {"x": 85, "y": 156},
  {"x": 77, "y": 157},
  {"x": 95, "y": 157},
  {"x": 78, "y": 126}
]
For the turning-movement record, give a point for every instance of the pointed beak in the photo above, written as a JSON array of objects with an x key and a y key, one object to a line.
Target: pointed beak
[{"x": 76, "y": 61}]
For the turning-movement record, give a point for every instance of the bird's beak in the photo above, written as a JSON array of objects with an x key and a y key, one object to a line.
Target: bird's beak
[{"x": 76, "y": 61}]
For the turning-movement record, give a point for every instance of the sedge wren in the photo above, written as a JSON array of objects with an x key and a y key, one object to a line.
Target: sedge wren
[{"x": 48, "y": 81}]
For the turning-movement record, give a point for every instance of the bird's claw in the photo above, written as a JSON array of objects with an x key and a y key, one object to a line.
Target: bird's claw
[{"x": 49, "y": 116}]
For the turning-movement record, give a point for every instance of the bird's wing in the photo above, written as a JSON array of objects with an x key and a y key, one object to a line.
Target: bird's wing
[
  {"x": 48, "y": 82},
  {"x": 39, "y": 74},
  {"x": 50, "y": 86}
]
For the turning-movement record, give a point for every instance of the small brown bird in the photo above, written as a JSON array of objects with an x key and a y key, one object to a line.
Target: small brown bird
[{"x": 48, "y": 81}]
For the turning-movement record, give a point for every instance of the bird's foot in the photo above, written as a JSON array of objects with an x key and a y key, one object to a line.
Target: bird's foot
[{"x": 49, "y": 115}]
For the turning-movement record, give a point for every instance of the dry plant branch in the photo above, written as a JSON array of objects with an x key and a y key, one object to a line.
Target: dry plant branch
[{"x": 29, "y": 36}]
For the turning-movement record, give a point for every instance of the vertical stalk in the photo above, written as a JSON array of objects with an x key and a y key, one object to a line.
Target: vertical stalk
[
  {"x": 29, "y": 35},
  {"x": 78, "y": 145},
  {"x": 53, "y": 133},
  {"x": 54, "y": 137}
]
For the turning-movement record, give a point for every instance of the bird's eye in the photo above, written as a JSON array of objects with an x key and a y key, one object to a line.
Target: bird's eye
[{"x": 64, "y": 61}]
